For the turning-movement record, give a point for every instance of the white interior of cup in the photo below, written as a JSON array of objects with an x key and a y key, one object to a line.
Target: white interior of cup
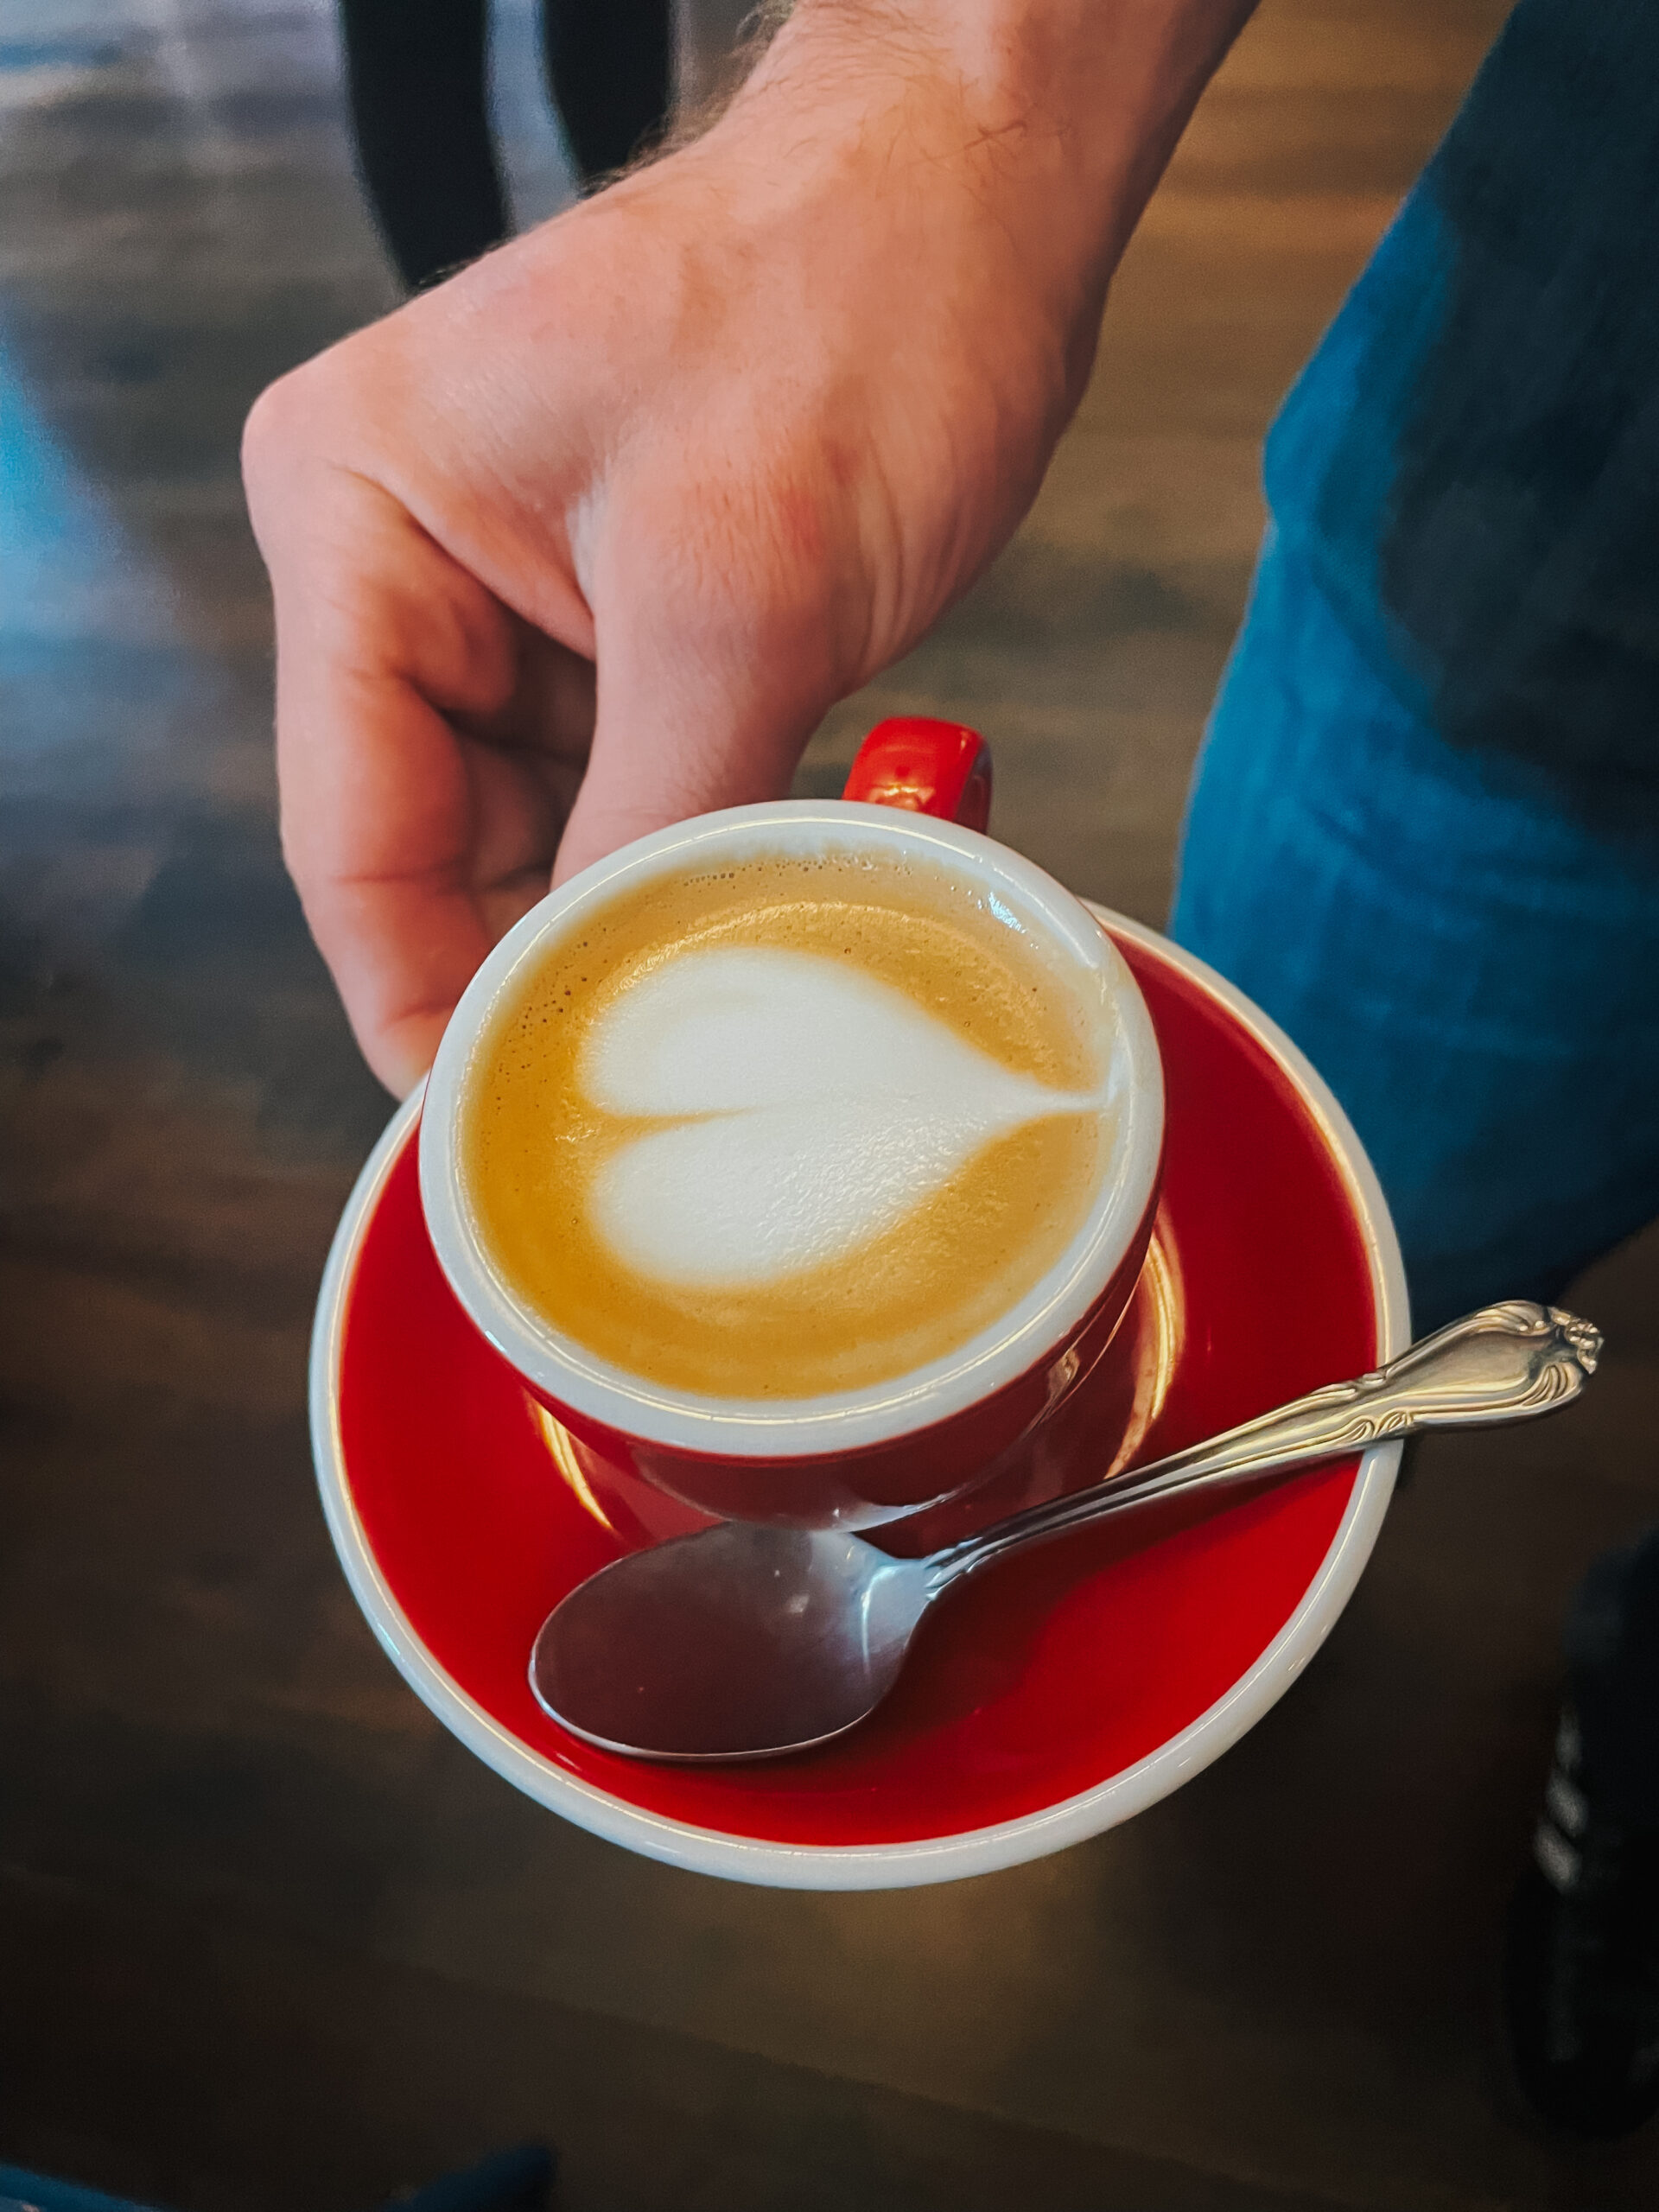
[{"x": 846, "y": 1420}]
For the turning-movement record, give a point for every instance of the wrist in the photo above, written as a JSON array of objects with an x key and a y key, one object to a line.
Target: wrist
[
  {"x": 1075, "y": 104},
  {"x": 1048, "y": 120}
]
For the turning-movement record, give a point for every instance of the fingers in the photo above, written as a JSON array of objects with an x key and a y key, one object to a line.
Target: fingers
[
  {"x": 414, "y": 843},
  {"x": 707, "y": 694},
  {"x": 436, "y": 847},
  {"x": 665, "y": 752},
  {"x": 376, "y": 811}
]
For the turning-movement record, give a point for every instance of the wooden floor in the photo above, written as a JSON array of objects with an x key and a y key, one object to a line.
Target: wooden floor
[{"x": 268, "y": 1937}]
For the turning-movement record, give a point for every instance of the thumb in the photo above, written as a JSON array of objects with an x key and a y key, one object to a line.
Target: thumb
[{"x": 681, "y": 730}]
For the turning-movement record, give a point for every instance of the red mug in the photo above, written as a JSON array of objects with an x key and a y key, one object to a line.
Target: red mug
[{"x": 855, "y": 1458}]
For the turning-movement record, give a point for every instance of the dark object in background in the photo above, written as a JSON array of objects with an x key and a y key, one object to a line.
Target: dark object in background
[
  {"x": 416, "y": 77},
  {"x": 1581, "y": 1970},
  {"x": 1581, "y": 1962}
]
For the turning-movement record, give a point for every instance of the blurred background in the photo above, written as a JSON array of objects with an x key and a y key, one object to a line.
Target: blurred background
[{"x": 269, "y": 1937}]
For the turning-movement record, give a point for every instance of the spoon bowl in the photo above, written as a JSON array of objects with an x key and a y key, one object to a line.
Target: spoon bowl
[{"x": 779, "y": 1637}]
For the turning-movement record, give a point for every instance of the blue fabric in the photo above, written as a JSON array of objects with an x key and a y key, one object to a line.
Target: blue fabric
[
  {"x": 508, "y": 2181},
  {"x": 1471, "y": 464},
  {"x": 21, "y": 2191},
  {"x": 1424, "y": 832},
  {"x": 1473, "y": 969}
]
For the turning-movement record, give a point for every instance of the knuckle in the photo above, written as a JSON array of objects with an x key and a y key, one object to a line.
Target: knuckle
[
  {"x": 271, "y": 432},
  {"x": 299, "y": 418}
]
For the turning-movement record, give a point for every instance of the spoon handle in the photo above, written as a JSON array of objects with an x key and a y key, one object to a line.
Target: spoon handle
[{"x": 1505, "y": 1362}]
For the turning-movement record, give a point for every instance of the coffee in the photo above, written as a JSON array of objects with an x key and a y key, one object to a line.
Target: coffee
[{"x": 795, "y": 1125}]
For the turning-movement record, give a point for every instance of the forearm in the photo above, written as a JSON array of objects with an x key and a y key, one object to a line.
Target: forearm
[{"x": 1062, "y": 113}]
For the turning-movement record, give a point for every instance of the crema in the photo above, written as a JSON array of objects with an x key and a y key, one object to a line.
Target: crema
[{"x": 796, "y": 1126}]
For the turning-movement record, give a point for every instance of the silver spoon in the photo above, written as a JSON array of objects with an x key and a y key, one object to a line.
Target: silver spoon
[{"x": 743, "y": 1642}]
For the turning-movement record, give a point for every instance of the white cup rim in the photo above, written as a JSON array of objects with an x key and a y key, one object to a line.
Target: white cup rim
[{"x": 563, "y": 1370}]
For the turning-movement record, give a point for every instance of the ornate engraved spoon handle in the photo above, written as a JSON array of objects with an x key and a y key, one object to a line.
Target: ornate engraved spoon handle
[{"x": 1506, "y": 1363}]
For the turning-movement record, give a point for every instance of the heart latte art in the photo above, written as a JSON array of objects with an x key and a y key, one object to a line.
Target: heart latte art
[
  {"x": 812, "y": 1109},
  {"x": 794, "y": 1127}
]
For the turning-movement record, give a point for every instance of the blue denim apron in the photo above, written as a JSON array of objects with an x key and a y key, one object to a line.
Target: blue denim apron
[{"x": 1424, "y": 830}]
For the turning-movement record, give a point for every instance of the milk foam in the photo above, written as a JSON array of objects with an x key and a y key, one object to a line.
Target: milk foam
[{"x": 814, "y": 1106}]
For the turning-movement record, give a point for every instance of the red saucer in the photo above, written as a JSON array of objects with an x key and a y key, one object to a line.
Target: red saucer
[{"x": 1053, "y": 1697}]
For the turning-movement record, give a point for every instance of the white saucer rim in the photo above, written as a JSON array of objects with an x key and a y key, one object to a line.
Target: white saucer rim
[{"x": 965, "y": 1852}]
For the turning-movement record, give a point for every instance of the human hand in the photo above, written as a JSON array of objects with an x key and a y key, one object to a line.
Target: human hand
[{"x": 587, "y": 540}]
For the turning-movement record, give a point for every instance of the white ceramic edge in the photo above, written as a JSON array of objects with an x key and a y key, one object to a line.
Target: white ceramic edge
[
  {"x": 846, "y": 1421},
  {"x": 974, "y": 1851}
]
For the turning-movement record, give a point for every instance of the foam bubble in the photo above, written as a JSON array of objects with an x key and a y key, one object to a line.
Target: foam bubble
[{"x": 814, "y": 1107}]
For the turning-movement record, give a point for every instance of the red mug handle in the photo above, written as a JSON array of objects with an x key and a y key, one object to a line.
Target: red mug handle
[{"x": 927, "y": 767}]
